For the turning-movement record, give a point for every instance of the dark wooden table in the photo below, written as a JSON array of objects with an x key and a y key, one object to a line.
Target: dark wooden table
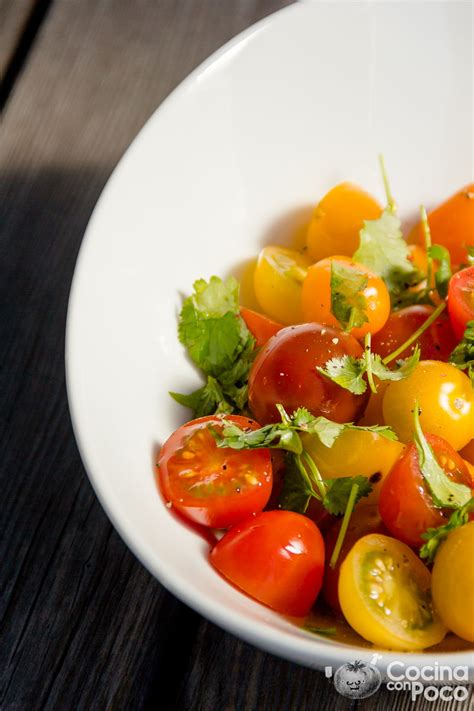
[{"x": 82, "y": 624}]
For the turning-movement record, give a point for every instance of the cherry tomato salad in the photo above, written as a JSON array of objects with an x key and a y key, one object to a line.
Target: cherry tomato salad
[{"x": 331, "y": 452}]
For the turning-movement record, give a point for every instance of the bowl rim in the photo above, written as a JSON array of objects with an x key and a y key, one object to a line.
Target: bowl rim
[{"x": 308, "y": 651}]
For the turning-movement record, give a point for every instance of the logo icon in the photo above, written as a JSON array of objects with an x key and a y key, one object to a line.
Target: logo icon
[{"x": 357, "y": 680}]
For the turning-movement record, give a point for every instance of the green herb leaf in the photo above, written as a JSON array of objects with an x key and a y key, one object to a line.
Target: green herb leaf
[
  {"x": 444, "y": 273},
  {"x": 278, "y": 436},
  {"x": 435, "y": 536},
  {"x": 470, "y": 256},
  {"x": 384, "y": 251},
  {"x": 320, "y": 630},
  {"x": 337, "y": 498},
  {"x": 463, "y": 355},
  {"x": 405, "y": 366},
  {"x": 219, "y": 342},
  {"x": 445, "y": 492},
  {"x": 348, "y": 303},
  {"x": 296, "y": 492}
]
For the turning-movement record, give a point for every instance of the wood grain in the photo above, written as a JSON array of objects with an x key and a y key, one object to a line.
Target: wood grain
[{"x": 82, "y": 624}]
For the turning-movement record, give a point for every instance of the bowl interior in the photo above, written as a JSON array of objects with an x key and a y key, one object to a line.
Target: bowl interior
[{"x": 234, "y": 159}]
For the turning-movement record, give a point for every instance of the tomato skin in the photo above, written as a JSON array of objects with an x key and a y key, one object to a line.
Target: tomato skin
[
  {"x": 364, "y": 520},
  {"x": 453, "y": 581},
  {"x": 436, "y": 343},
  {"x": 405, "y": 503},
  {"x": 276, "y": 557},
  {"x": 261, "y": 327},
  {"x": 384, "y": 591},
  {"x": 445, "y": 397},
  {"x": 316, "y": 296},
  {"x": 467, "y": 452},
  {"x": 451, "y": 224},
  {"x": 233, "y": 484},
  {"x": 461, "y": 300},
  {"x": 285, "y": 372},
  {"x": 338, "y": 219},
  {"x": 277, "y": 280}
]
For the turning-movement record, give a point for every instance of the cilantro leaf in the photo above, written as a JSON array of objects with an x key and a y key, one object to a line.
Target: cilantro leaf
[
  {"x": 384, "y": 251},
  {"x": 320, "y": 630},
  {"x": 463, "y": 355},
  {"x": 207, "y": 400},
  {"x": 219, "y": 342},
  {"x": 348, "y": 303},
  {"x": 296, "y": 492},
  {"x": 470, "y": 256},
  {"x": 349, "y": 372},
  {"x": 435, "y": 536},
  {"x": 445, "y": 492},
  {"x": 444, "y": 272},
  {"x": 278, "y": 436},
  {"x": 337, "y": 497}
]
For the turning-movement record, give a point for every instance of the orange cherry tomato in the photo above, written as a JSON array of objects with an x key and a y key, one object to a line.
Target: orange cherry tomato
[
  {"x": 316, "y": 296},
  {"x": 285, "y": 372},
  {"x": 261, "y": 327},
  {"x": 436, "y": 343},
  {"x": 452, "y": 225},
  {"x": 276, "y": 557},
  {"x": 461, "y": 300},
  {"x": 467, "y": 452},
  {"x": 212, "y": 486},
  {"x": 405, "y": 503},
  {"x": 338, "y": 219}
]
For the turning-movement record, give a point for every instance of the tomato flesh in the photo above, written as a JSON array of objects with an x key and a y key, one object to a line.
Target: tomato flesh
[
  {"x": 405, "y": 503},
  {"x": 276, "y": 557},
  {"x": 212, "y": 486},
  {"x": 384, "y": 590},
  {"x": 261, "y": 327},
  {"x": 285, "y": 372},
  {"x": 461, "y": 300},
  {"x": 436, "y": 343}
]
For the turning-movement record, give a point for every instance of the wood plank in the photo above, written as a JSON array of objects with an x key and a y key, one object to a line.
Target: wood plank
[
  {"x": 82, "y": 624},
  {"x": 13, "y": 16}
]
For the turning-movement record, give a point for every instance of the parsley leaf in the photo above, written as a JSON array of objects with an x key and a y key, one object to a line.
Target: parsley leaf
[
  {"x": 219, "y": 342},
  {"x": 463, "y": 355},
  {"x": 337, "y": 497},
  {"x": 348, "y": 303},
  {"x": 384, "y": 251},
  {"x": 445, "y": 492},
  {"x": 435, "y": 536},
  {"x": 444, "y": 272},
  {"x": 348, "y": 372}
]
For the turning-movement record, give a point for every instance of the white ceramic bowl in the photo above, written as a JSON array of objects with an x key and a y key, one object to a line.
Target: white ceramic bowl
[{"x": 232, "y": 158}]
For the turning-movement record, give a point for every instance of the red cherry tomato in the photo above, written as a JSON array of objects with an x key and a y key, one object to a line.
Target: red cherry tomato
[
  {"x": 261, "y": 327},
  {"x": 461, "y": 300},
  {"x": 364, "y": 520},
  {"x": 405, "y": 503},
  {"x": 214, "y": 487},
  {"x": 436, "y": 343},
  {"x": 285, "y": 372},
  {"x": 276, "y": 557}
]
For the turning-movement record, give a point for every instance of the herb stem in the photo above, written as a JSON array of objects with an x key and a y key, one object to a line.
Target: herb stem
[
  {"x": 368, "y": 362},
  {"x": 414, "y": 336},
  {"x": 316, "y": 474},
  {"x": 344, "y": 525},
  {"x": 427, "y": 234},
  {"x": 392, "y": 205},
  {"x": 307, "y": 480},
  {"x": 285, "y": 418}
]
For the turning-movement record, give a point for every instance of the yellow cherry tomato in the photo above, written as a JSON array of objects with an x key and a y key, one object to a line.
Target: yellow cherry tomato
[
  {"x": 452, "y": 581},
  {"x": 446, "y": 400},
  {"x": 384, "y": 592},
  {"x": 316, "y": 296},
  {"x": 356, "y": 452},
  {"x": 278, "y": 277},
  {"x": 373, "y": 414},
  {"x": 338, "y": 219}
]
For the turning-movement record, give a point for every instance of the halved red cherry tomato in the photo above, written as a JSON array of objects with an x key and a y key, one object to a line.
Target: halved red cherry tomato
[
  {"x": 214, "y": 487},
  {"x": 436, "y": 343},
  {"x": 451, "y": 224},
  {"x": 405, "y": 502},
  {"x": 364, "y": 520},
  {"x": 461, "y": 300},
  {"x": 285, "y": 372},
  {"x": 276, "y": 557},
  {"x": 261, "y": 327}
]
